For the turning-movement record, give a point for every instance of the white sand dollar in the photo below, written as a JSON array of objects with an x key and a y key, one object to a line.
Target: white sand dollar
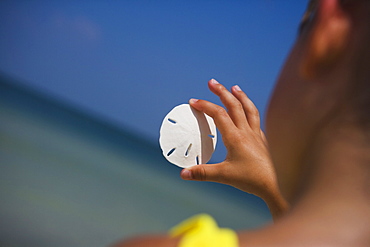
[{"x": 187, "y": 137}]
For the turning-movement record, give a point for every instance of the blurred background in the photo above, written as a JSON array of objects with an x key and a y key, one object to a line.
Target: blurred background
[{"x": 84, "y": 86}]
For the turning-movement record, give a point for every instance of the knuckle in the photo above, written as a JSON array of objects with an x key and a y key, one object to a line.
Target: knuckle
[
  {"x": 200, "y": 173},
  {"x": 220, "y": 111},
  {"x": 255, "y": 112},
  {"x": 235, "y": 104},
  {"x": 232, "y": 142},
  {"x": 252, "y": 109},
  {"x": 222, "y": 89},
  {"x": 237, "y": 141}
]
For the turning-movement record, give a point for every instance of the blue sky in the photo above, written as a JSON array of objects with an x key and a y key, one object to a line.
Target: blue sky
[{"x": 130, "y": 62}]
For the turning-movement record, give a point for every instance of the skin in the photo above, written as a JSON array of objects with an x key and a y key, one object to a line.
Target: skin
[
  {"x": 248, "y": 165},
  {"x": 318, "y": 157}
]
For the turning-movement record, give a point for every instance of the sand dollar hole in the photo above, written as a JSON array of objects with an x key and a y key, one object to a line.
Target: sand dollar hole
[{"x": 187, "y": 137}]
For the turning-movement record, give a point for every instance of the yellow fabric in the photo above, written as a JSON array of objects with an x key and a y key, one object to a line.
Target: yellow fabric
[{"x": 202, "y": 231}]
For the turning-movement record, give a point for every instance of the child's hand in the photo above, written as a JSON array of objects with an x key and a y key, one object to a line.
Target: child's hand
[{"x": 247, "y": 166}]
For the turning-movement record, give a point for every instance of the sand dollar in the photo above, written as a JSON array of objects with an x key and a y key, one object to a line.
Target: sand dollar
[{"x": 187, "y": 137}]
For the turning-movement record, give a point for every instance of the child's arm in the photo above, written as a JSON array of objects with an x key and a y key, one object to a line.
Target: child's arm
[
  {"x": 248, "y": 165},
  {"x": 149, "y": 240}
]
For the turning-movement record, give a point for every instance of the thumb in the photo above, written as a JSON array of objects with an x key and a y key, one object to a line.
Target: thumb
[{"x": 206, "y": 172}]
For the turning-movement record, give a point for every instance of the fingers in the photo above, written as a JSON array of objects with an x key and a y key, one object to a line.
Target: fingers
[
  {"x": 206, "y": 172},
  {"x": 250, "y": 110},
  {"x": 241, "y": 109},
  {"x": 221, "y": 118},
  {"x": 232, "y": 104}
]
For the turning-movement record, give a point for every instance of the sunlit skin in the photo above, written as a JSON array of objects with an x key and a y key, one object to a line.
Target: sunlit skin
[
  {"x": 248, "y": 165},
  {"x": 313, "y": 171}
]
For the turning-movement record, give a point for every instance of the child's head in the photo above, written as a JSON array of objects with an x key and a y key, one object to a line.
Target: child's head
[{"x": 323, "y": 86}]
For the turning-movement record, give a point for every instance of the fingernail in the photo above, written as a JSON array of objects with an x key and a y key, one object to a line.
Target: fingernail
[
  {"x": 192, "y": 101},
  {"x": 213, "y": 81},
  {"x": 186, "y": 174},
  {"x": 237, "y": 88}
]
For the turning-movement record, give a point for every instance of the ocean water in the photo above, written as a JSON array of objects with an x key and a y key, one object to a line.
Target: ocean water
[{"x": 69, "y": 178}]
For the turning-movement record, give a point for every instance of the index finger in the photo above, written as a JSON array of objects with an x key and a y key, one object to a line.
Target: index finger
[{"x": 222, "y": 119}]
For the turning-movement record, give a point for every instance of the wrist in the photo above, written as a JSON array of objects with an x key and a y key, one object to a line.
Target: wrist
[{"x": 276, "y": 203}]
